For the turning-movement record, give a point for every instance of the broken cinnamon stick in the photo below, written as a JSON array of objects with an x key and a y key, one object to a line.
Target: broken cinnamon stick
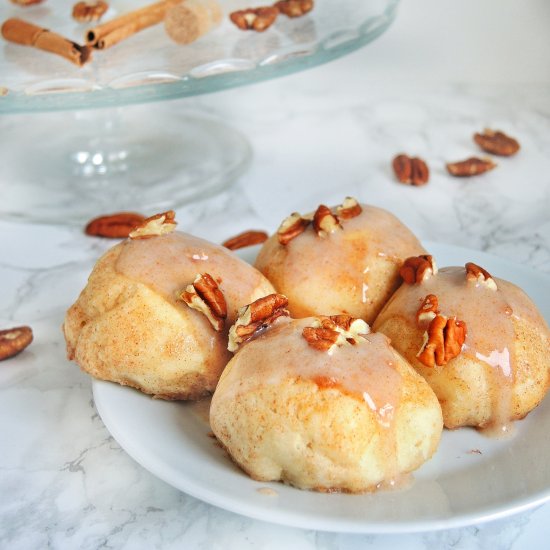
[
  {"x": 112, "y": 32},
  {"x": 25, "y": 33}
]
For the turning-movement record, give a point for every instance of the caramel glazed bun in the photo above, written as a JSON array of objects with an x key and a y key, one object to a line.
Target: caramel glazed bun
[
  {"x": 501, "y": 369},
  {"x": 343, "y": 260},
  {"x": 132, "y": 325},
  {"x": 347, "y": 417}
]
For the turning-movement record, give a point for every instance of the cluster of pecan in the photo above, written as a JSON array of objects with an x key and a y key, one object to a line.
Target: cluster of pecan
[
  {"x": 491, "y": 141},
  {"x": 324, "y": 221},
  {"x": 260, "y": 19},
  {"x": 328, "y": 333},
  {"x": 325, "y": 334},
  {"x": 414, "y": 170},
  {"x": 121, "y": 225},
  {"x": 444, "y": 336}
]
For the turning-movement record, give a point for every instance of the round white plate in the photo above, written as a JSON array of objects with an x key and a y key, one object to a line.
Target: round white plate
[{"x": 471, "y": 478}]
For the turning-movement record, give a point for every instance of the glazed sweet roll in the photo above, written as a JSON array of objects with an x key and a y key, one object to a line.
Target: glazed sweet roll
[
  {"x": 341, "y": 260},
  {"x": 156, "y": 311},
  {"x": 321, "y": 403},
  {"x": 479, "y": 341}
]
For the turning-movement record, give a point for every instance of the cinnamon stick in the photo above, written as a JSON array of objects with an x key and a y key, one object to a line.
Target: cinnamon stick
[
  {"x": 25, "y": 33},
  {"x": 112, "y": 32}
]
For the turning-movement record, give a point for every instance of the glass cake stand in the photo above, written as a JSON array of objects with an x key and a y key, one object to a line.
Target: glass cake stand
[{"x": 99, "y": 155}]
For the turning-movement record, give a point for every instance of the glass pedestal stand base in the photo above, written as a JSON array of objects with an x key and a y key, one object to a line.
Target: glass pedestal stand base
[{"x": 72, "y": 166}]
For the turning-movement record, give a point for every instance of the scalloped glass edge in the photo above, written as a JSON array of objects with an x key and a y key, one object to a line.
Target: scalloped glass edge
[{"x": 167, "y": 86}]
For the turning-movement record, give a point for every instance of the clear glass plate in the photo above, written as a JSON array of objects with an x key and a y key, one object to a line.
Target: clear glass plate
[
  {"x": 149, "y": 66},
  {"x": 471, "y": 478}
]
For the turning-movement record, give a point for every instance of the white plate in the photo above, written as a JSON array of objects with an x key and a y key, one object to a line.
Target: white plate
[{"x": 457, "y": 487}]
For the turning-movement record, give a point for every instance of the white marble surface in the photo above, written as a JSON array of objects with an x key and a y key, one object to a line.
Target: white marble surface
[{"x": 317, "y": 136}]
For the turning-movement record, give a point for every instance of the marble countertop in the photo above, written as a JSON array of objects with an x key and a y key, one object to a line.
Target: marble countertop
[{"x": 317, "y": 137}]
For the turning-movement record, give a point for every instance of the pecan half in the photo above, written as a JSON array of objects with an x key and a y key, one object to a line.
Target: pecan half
[
  {"x": 410, "y": 170},
  {"x": 14, "y": 340},
  {"x": 159, "y": 224},
  {"x": 470, "y": 167},
  {"x": 337, "y": 321},
  {"x": 324, "y": 221},
  {"x": 205, "y": 296},
  {"x": 89, "y": 10},
  {"x": 428, "y": 310},
  {"x": 255, "y": 318},
  {"x": 417, "y": 269},
  {"x": 321, "y": 338},
  {"x": 442, "y": 341},
  {"x": 327, "y": 333},
  {"x": 247, "y": 238},
  {"x": 294, "y": 8},
  {"x": 497, "y": 143},
  {"x": 114, "y": 226},
  {"x": 256, "y": 19},
  {"x": 350, "y": 208},
  {"x": 350, "y": 327},
  {"x": 291, "y": 227},
  {"x": 478, "y": 275}
]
